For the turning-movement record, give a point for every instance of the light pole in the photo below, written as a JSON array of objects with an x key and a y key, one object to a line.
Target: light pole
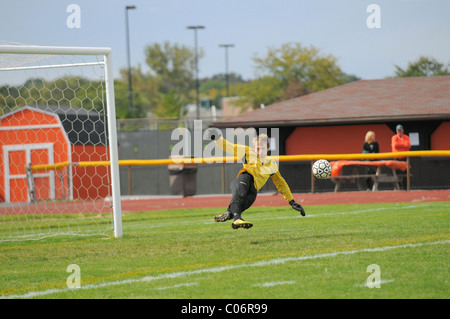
[
  {"x": 197, "y": 97},
  {"x": 226, "y": 46},
  {"x": 130, "y": 88}
]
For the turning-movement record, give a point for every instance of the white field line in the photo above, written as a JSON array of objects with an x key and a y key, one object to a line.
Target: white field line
[
  {"x": 294, "y": 215},
  {"x": 181, "y": 274},
  {"x": 378, "y": 209},
  {"x": 177, "y": 286},
  {"x": 275, "y": 283}
]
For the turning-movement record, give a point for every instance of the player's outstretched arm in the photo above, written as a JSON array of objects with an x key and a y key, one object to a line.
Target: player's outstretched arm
[{"x": 215, "y": 135}]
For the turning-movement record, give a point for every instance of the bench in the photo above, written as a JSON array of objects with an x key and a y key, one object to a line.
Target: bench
[
  {"x": 384, "y": 172},
  {"x": 360, "y": 179}
]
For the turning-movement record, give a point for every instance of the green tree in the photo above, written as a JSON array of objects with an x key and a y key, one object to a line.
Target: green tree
[
  {"x": 424, "y": 66},
  {"x": 215, "y": 87},
  {"x": 291, "y": 71},
  {"x": 294, "y": 63},
  {"x": 173, "y": 65},
  {"x": 146, "y": 94},
  {"x": 64, "y": 91},
  {"x": 265, "y": 90},
  {"x": 170, "y": 105}
]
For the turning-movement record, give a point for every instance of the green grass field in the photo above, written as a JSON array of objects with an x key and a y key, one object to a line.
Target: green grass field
[{"x": 184, "y": 254}]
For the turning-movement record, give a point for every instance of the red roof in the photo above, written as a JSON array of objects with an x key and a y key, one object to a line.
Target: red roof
[{"x": 356, "y": 102}]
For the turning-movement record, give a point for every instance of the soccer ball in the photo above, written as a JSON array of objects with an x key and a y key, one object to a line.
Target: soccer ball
[{"x": 321, "y": 169}]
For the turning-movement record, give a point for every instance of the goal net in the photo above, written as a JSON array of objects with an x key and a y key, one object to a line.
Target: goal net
[{"x": 58, "y": 144}]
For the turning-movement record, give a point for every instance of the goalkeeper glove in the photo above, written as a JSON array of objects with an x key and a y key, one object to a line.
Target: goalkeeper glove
[
  {"x": 212, "y": 134},
  {"x": 297, "y": 206}
]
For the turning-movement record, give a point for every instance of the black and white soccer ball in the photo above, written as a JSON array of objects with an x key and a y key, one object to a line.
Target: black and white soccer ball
[{"x": 321, "y": 169}]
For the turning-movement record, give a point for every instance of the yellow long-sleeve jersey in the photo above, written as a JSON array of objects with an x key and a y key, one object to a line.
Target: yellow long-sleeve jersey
[{"x": 260, "y": 168}]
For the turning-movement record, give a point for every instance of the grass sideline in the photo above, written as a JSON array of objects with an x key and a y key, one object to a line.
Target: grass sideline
[{"x": 183, "y": 254}]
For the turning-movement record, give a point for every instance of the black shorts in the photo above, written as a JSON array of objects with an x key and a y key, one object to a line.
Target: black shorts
[{"x": 244, "y": 194}]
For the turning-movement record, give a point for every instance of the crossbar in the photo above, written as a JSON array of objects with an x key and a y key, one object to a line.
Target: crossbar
[{"x": 31, "y": 49}]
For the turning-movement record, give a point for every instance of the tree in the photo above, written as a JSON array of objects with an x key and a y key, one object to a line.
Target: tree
[
  {"x": 173, "y": 65},
  {"x": 68, "y": 91},
  {"x": 293, "y": 63},
  {"x": 215, "y": 87},
  {"x": 424, "y": 66},
  {"x": 145, "y": 94},
  {"x": 170, "y": 105},
  {"x": 291, "y": 71},
  {"x": 265, "y": 90}
]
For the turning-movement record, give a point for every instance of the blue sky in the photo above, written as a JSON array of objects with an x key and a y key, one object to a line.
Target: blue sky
[{"x": 409, "y": 29}]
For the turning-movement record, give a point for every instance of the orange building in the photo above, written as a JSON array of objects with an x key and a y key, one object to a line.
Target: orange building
[
  {"x": 48, "y": 135},
  {"x": 335, "y": 121}
]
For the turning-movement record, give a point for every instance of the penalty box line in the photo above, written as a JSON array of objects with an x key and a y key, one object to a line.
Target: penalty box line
[{"x": 173, "y": 275}]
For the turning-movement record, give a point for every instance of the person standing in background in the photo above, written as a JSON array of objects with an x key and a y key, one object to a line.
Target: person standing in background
[{"x": 400, "y": 143}]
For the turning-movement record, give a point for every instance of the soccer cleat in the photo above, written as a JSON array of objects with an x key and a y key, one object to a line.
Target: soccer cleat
[
  {"x": 240, "y": 223},
  {"x": 223, "y": 217}
]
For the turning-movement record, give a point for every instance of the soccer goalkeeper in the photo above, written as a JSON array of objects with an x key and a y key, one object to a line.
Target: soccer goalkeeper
[{"x": 257, "y": 169}]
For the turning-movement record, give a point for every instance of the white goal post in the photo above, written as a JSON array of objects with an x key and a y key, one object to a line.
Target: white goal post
[{"x": 13, "y": 52}]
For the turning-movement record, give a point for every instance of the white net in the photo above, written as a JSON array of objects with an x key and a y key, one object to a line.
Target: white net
[{"x": 52, "y": 125}]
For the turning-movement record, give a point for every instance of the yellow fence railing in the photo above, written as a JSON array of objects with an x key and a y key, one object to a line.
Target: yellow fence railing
[{"x": 228, "y": 159}]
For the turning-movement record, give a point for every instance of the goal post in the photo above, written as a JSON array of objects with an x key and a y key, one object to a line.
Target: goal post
[
  {"x": 57, "y": 104},
  {"x": 111, "y": 109}
]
